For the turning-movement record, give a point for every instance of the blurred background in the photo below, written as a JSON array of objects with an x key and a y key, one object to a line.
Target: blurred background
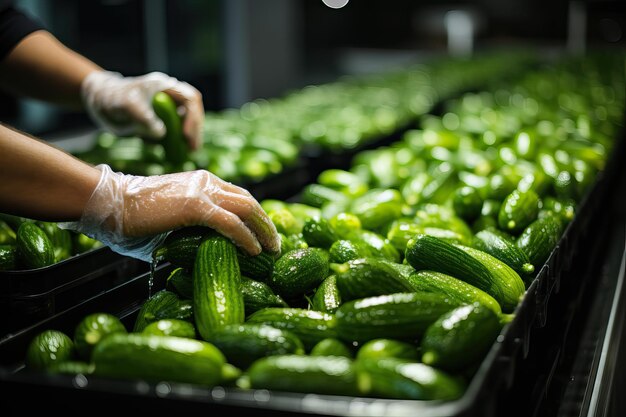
[{"x": 235, "y": 51}]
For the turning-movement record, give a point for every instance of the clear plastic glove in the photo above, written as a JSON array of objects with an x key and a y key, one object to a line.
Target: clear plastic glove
[
  {"x": 123, "y": 105},
  {"x": 133, "y": 214}
]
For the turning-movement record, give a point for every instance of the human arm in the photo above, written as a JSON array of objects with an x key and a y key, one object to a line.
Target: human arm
[
  {"x": 131, "y": 214},
  {"x": 41, "y": 67}
]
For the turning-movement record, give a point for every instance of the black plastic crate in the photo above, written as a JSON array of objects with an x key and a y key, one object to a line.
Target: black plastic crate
[{"x": 30, "y": 296}]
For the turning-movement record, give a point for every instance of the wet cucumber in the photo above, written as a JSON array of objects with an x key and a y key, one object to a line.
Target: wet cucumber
[
  {"x": 258, "y": 295},
  {"x": 298, "y": 272},
  {"x": 180, "y": 282},
  {"x": 242, "y": 344},
  {"x": 48, "y": 348},
  {"x": 505, "y": 250},
  {"x": 158, "y": 358},
  {"x": 8, "y": 257},
  {"x": 460, "y": 338},
  {"x": 475, "y": 267},
  {"x": 332, "y": 375},
  {"x": 35, "y": 250},
  {"x": 257, "y": 267},
  {"x": 318, "y": 232},
  {"x": 171, "y": 327},
  {"x": 92, "y": 329},
  {"x": 368, "y": 277},
  {"x": 387, "y": 348},
  {"x": 343, "y": 251},
  {"x": 176, "y": 148},
  {"x": 181, "y": 246},
  {"x": 401, "y": 379},
  {"x": 309, "y": 325},
  {"x": 327, "y": 298},
  {"x": 217, "y": 297},
  {"x": 456, "y": 289},
  {"x": 540, "y": 238},
  {"x": 397, "y": 316},
  {"x": 331, "y": 347},
  {"x": 518, "y": 210},
  {"x": 162, "y": 305}
]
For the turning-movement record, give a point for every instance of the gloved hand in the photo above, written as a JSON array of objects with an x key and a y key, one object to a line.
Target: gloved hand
[
  {"x": 123, "y": 105},
  {"x": 133, "y": 214}
]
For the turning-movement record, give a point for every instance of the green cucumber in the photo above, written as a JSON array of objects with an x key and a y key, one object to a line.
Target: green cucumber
[
  {"x": 540, "y": 238},
  {"x": 61, "y": 240},
  {"x": 377, "y": 207},
  {"x": 8, "y": 257},
  {"x": 505, "y": 250},
  {"x": 455, "y": 289},
  {"x": 217, "y": 297},
  {"x": 343, "y": 251},
  {"x": 298, "y": 272},
  {"x": 258, "y": 295},
  {"x": 317, "y": 195},
  {"x": 396, "y": 316},
  {"x": 162, "y": 305},
  {"x": 378, "y": 246},
  {"x": 476, "y": 268},
  {"x": 180, "y": 282},
  {"x": 318, "y": 232},
  {"x": 158, "y": 358},
  {"x": 333, "y": 375},
  {"x": 35, "y": 250},
  {"x": 467, "y": 203},
  {"x": 47, "y": 348},
  {"x": 518, "y": 210},
  {"x": 331, "y": 347},
  {"x": 174, "y": 143},
  {"x": 344, "y": 224},
  {"x": 309, "y": 325},
  {"x": 387, "y": 348},
  {"x": 566, "y": 208},
  {"x": 368, "y": 277},
  {"x": 507, "y": 284},
  {"x": 92, "y": 329},
  {"x": 344, "y": 181},
  {"x": 257, "y": 267},
  {"x": 171, "y": 327},
  {"x": 181, "y": 246},
  {"x": 401, "y": 232},
  {"x": 242, "y": 344},
  {"x": 7, "y": 234},
  {"x": 285, "y": 222},
  {"x": 460, "y": 338},
  {"x": 327, "y": 298},
  {"x": 71, "y": 367},
  {"x": 401, "y": 379}
]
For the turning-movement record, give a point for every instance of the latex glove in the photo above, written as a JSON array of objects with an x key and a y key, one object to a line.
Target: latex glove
[
  {"x": 133, "y": 214},
  {"x": 123, "y": 105}
]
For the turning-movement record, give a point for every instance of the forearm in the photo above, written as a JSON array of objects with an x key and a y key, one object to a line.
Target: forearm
[
  {"x": 42, "y": 182},
  {"x": 41, "y": 67}
]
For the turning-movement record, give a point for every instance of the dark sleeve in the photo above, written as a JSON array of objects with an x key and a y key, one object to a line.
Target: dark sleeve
[{"x": 14, "y": 26}]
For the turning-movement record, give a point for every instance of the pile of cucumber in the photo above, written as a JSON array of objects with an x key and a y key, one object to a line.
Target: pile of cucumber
[
  {"x": 396, "y": 276},
  {"x": 30, "y": 244},
  {"x": 263, "y": 137}
]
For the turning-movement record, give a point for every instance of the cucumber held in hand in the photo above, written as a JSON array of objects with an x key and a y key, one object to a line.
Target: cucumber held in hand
[
  {"x": 34, "y": 247},
  {"x": 176, "y": 148}
]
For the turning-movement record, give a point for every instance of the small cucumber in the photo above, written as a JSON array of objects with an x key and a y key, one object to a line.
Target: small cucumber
[
  {"x": 34, "y": 247},
  {"x": 310, "y": 326},
  {"x": 540, "y": 238},
  {"x": 162, "y": 305},
  {"x": 376, "y": 244},
  {"x": 368, "y": 277},
  {"x": 92, "y": 329},
  {"x": 258, "y": 295},
  {"x": 377, "y": 207},
  {"x": 317, "y": 195},
  {"x": 217, "y": 297},
  {"x": 402, "y": 379},
  {"x": 171, "y": 327},
  {"x": 387, "y": 348},
  {"x": 158, "y": 358},
  {"x": 47, "y": 348},
  {"x": 396, "y": 316},
  {"x": 257, "y": 267},
  {"x": 467, "y": 203},
  {"x": 460, "y": 338},
  {"x": 180, "y": 282},
  {"x": 8, "y": 257},
  {"x": 298, "y": 272},
  {"x": 332, "y": 375},
  {"x": 331, "y": 347},
  {"x": 176, "y": 148},
  {"x": 181, "y": 246},
  {"x": 518, "y": 210},
  {"x": 242, "y": 344},
  {"x": 505, "y": 250},
  {"x": 318, "y": 232},
  {"x": 346, "y": 250},
  {"x": 327, "y": 298},
  {"x": 456, "y": 289}
]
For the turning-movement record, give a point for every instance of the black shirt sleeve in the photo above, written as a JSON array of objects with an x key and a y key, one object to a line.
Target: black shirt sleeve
[{"x": 14, "y": 26}]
